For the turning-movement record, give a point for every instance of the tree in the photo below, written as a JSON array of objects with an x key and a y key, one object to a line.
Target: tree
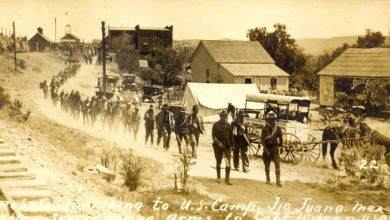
[
  {"x": 370, "y": 40},
  {"x": 127, "y": 59},
  {"x": 376, "y": 95},
  {"x": 281, "y": 46},
  {"x": 169, "y": 63}
]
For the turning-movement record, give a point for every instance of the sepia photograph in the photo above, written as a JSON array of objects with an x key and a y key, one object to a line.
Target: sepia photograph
[{"x": 195, "y": 109}]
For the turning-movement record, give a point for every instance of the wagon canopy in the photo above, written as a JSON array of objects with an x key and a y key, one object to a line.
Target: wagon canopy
[
  {"x": 282, "y": 99},
  {"x": 212, "y": 97}
]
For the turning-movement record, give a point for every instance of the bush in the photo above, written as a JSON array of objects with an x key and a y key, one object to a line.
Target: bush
[
  {"x": 15, "y": 111},
  {"x": 109, "y": 159},
  {"x": 22, "y": 64},
  {"x": 132, "y": 170},
  {"x": 4, "y": 98},
  {"x": 182, "y": 165},
  {"x": 361, "y": 163}
]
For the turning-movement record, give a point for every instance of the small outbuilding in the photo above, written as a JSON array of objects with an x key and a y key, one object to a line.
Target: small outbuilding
[{"x": 39, "y": 42}]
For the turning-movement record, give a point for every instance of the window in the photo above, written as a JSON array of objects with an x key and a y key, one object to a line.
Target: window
[
  {"x": 274, "y": 82},
  {"x": 207, "y": 76},
  {"x": 248, "y": 80}
]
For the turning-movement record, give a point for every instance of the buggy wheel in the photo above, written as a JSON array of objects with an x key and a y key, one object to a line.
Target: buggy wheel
[
  {"x": 311, "y": 150},
  {"x": 292, "y": 149},
  {"x": 253, "y": 137}
]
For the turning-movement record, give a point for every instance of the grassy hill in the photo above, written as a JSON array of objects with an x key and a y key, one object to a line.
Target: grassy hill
[{"x": 317, "y": 46}]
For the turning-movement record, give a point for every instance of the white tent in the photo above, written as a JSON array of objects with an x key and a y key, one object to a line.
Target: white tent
[{"x": 212, "y": 97}]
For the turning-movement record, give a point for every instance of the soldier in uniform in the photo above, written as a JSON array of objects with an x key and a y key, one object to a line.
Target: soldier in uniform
[
  {"x": 240, "y": 143},
  {"x": 126, "y": 114},
  {"x": 272, "y": 140},
  {"x": 45, "y": 89},
  {"x": 222, "y": 144},
  {"x": 149, "y": 124},
  {"x": 85, "y": 111},
  {"x": 165, "y": 124},
  {"x": 195, "y": 128},
  {"x": 181, "y": 128},
  {"x": 134, "y": 122}
]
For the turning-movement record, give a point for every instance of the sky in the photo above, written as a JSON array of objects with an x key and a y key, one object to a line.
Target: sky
[{"x": 198, "y": 19}]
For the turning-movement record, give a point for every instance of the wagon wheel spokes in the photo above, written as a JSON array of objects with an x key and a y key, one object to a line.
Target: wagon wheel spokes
[
  {"x": 311, "y": 152},
  {"x": 253, "y": 137},
  {"x": 292, "y": 149}
]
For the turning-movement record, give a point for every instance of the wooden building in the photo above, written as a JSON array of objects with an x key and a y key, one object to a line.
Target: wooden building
[
  {"x": 351, "y": 71},
  {"x": 69, "y": 39},
  {"x": 145, "y": 40},
  {"x": 237, "y": 62},
  {"x": 39, "y": 42}
]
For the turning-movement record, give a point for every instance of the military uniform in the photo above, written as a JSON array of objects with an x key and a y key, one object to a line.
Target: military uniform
[
  {"x": 222, "y": 144},
  {"x": 134, "y": 122},
  {"x": 240, "y": 144},
  {"x": 195, "y": 128},
  {"x": 165, "y": 125},
  {"x": 272, "y": 140},
  {"x": 181, "y": 129},
  {"x": 149, "y": 124}
]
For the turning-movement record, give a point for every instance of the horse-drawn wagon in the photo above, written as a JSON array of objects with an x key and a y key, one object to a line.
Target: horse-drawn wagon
[{"x": 292, "y": 114}]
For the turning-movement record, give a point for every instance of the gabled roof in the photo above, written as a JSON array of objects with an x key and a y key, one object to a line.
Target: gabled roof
[
  {"x": 69, "y": 37},
  {"x": 235, "y": 51},
  {"x": 359, "y": 62},
  {"x": 254, "y": 69},
  {"x": 42, "y": 36}
]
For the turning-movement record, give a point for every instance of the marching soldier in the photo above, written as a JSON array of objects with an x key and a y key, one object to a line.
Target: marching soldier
[
  {"x": 195, "y": 128},
  {"x": 181, "y": 128},
  {"x": 85, "y": 111},
  {"x": 165, "y": 125},
  {"x": 272, "y": 140},
  {"x": 240, "y": 143},
  {"x": 149, "y": 124},
  {"x": 134, "y": 123},
  {"x": 45, "y": 89},
  {"x": 126, "y": 113},
  {"x": 222, "y": 144}
]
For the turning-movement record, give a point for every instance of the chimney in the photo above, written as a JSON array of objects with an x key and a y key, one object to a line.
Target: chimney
[{"x": 40, "y": 30}]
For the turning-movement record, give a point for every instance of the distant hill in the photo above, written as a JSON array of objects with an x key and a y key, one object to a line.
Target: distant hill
[{"x": 317, "y": 46}]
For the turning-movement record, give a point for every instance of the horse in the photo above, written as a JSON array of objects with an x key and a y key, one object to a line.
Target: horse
[
  {"x": 335, "y": 132},
  {"x": 377, "y": 138}
]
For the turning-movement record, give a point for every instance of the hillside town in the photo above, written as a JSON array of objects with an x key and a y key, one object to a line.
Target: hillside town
[{"x": 132, "y": 121}]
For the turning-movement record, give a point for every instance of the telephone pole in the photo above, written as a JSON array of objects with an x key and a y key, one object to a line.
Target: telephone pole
[
  {"x": 55, "y": 30},
  {"x": 16, "y": 67},
  {"x": 103, "y": 52}
]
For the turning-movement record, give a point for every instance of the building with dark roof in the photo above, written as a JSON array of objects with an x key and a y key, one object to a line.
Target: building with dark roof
[
  {"x": 39, "y": 42},
  {"x": 69, "y": 39},
  {"x": 352, "y": 71},
  {"x": 144, "y": 39},
  {"x": 237, "y": 62}
]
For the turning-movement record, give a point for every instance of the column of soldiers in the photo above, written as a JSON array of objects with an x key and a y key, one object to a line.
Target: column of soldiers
[
  {"x": 57, "y": 81},
  {"x": 187, "y": 127}
]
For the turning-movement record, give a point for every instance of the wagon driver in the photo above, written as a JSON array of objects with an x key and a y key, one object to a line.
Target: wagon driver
[{"x": 272, "y": 140}]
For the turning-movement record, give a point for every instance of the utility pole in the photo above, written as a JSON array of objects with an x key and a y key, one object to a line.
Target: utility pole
[
  {"x": 16, "y": 67},
  {"x": 103, "y": 52},
  {"x": 55, "y": 30}
]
